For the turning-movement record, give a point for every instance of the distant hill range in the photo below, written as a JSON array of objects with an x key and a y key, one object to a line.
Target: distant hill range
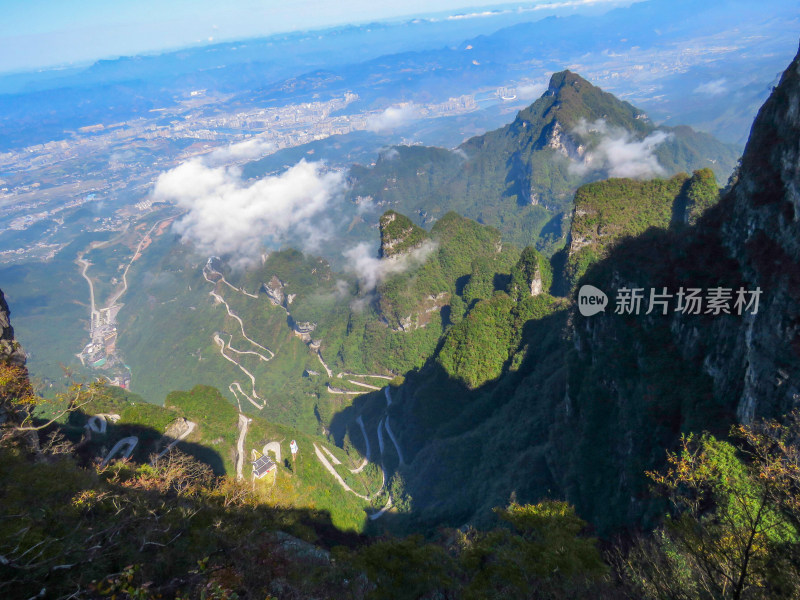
[{"x": 521, "y": 178}]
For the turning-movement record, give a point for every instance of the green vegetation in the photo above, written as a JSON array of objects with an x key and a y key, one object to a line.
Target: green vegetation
[
  {"x": 478, "y": 347},
  {"x": 465, "y": 250},
  {"x": 531, "y": 273},
  {"x": 521, "y": 177},
  {"x": 394, "y": 331},
  {"x": 518, "y": 389},
  {"x": 476, "y": 350},
  {"x": 734, "y": 530},
  {"x": 173, "y": 529},
  {"x": 607, "y": 212},
  {"x": 702, "y": 192},
  {"x": 178, "y": 300},
  {"x": 398, "y": 234}
]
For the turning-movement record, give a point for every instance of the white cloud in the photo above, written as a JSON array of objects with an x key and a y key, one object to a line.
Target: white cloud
[
  {"x": 393, "y": 117},
  {"x": 227, "y": 216},
  {"x": 538, "y": 7},
  {"x": 487, "y": 13},
  {"x": 712, "y": 88},
  {"x": 531, "y": 91},
  {"x": 342, "y": 289},
  {"x": 389, "y": 154},
  {"x": 249, "y": 149},
  {"x": 618, "y": 152},
  {"x": 365, "y": 204},
  {"x": 371, "y": 271}
]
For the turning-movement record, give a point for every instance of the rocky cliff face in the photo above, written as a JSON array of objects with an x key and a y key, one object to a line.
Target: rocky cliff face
[
  {"x": 274, "y": 289},
  {"x": 762, "y": 232},
  {"x": 636, "y": 382},
  {"x": 14, "y": 385},
  {"x": 10, "y": 350}
]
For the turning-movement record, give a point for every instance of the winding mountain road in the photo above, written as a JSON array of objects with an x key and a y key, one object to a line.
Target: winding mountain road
[
  {"x": 192, "y": 425},
  {"x": 381, "y": 512},
  {"x": 344, "y": 374},
  {"x": 361, "y": 467},
  {"x": 93, "y": 312},
  {"x": 333, "y": 390},
  {"x": 325, "y": 456},
  {"x": 244, "y": 352},
  {"x": 234, "y": 316},
  {"x": 221, "y": 343},
  {"x": 274, "y": 447},
  {"x": 333, "y": 472},
  {"x": 389, "y": 428},
  {"x": 244, "y": 423},
  {"x": 129, "y": 442},
  {"x": 240, "y": 290},
  {"x": 331, "y": 457},
  {"x": 324, "y": 365},
  {"x": 362, "y": 384}
]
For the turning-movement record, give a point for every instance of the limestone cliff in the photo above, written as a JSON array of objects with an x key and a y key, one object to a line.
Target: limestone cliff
[
  {"x": 597, "y": 400},
  {"x": 399, "y": 235},
  {"x": 762, "y": 232},
  {"x": 635, "y": 382},
  {"x": 10, "y": 350}
]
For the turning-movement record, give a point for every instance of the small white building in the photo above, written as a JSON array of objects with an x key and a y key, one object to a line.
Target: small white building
[{"x": 262, "y": 466}]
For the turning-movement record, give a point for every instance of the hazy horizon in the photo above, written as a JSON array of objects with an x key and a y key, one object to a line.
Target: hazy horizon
[{"x": 43, "y": 35}]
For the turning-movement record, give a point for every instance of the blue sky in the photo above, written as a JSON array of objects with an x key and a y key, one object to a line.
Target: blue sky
[{"x": 40, "y": 33}]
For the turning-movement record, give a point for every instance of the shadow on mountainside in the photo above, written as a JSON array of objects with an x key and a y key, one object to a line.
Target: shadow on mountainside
[{"x": 594, "y": 403}]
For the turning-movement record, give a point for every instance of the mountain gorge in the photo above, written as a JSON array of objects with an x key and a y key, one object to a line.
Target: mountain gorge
[
  {"x": 460, "y": 425},
  {"x": 592, "y": 402},
  {"x": 457, "y": 296}
]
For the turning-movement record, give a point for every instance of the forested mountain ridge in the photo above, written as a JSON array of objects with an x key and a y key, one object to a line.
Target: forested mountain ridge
[
  {"x": 607, "y": 211},
  {"x": 521, "y": 178},
  {"x": 704, "y": 371},
  {"x": 581, "y": 406},
  {"x": 554, "y": 404}
]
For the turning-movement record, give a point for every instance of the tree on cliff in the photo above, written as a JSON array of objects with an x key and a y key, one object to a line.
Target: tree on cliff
[{"x": 734, "y": 525}]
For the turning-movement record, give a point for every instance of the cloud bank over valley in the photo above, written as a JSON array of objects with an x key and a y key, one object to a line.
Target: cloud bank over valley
[
  {"x": 227, "y": 216},
  {"x": 617, "y": 152}
]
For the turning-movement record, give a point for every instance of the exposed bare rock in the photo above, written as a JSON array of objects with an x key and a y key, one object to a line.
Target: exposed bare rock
[
  {"x": 10, "y": 350},
  {"x": 560, "y": 141},
  {"x": 274, "y": 291}
]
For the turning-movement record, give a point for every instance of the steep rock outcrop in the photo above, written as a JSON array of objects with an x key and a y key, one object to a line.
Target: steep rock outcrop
[
  {"x": 762, "y": 231},
  {"x": 274, "y": 289},
  {"x": 14, "y": 384},
  {"x": 399, "y": 235},
  {"x": 636, "y": 382},
  {"x": 10, "y": 350}
]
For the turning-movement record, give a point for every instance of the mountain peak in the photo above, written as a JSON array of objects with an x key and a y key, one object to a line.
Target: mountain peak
[
  {"x": 569, "y": 101},
  {"x": 563, "y": 78},
  {"x": 399, "y": 234}
]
